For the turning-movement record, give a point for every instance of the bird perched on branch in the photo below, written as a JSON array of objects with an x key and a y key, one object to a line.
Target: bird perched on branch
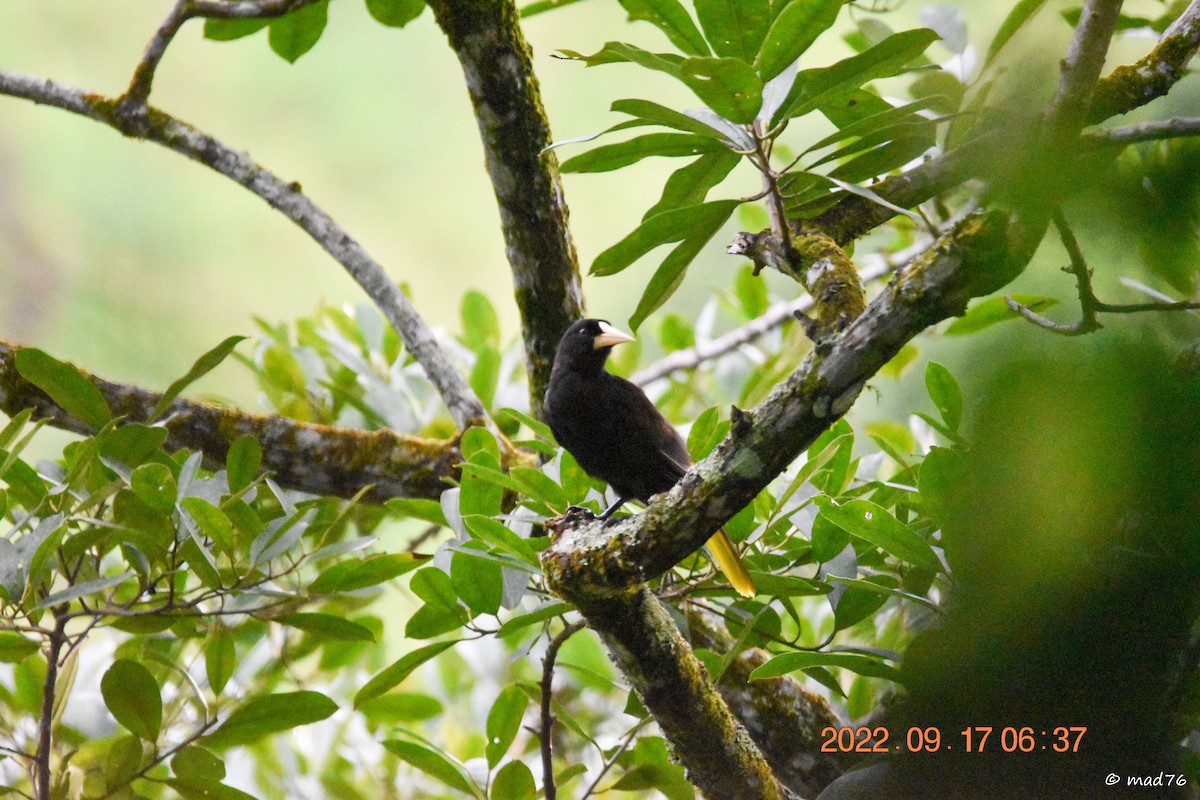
[{"x": 615, "y": 432}]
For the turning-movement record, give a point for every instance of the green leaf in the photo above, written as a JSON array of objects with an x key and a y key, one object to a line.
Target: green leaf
[
  {"x": 726, "y": 85},
  {"x": 940, "y": 481},
  {"x": 672, "y": 19},
  {"x": 14, "y": 647},
  {"x": 877, "y": 526},
  {"x": 813, "y": 87},
  {"x": 539, "y": 428},
  {"x": 220, "y": 657},
  {"x": 622, "y": 154},
  {"x": 542, "y": 6},
  {"x": 735, "y": 28},
  {"x": 196, "y": 762},
  {"x": 391, "y": 677},
  {"x": 988, "y": 312},
  {"x": 515, "y": 781},
  {"x": 395, "y": 13},
  {"x": 874, "y": 122},
  {"x": 620, "y": 52},
  {"x": 65, "y": 385},
  {"x": 401, "y": 707},
  {"x": 350, "y": 576},
  {"x": 190, "y": 788},
  {"x": 794, "y": 30},
  {"x": 504, "y": 722},
  {"x": 485, "y": 374},
  {"x": 14, "y": 427},
  {"x": 670, "y": 226},
  {"x": 1021, "y": 13},
  {"x": 481, "y": 326},
  {"x": 294, "y": 34},
  {"x": 944, "y": 392},
  {"x": 418, "y": 508},
  {"x": 226, "y": 30},
  {"x": 497, "y": 534},
  {"x": 788, "y": 585},
  {"x": 478, "y": 583},
  {"x": 790, "y": 662},
  {"x": 201, "y": 561},
  {"x": 522, "y": 621},
  {"x": 328, "y": 626},
  {"x": 204, "y": 364},
  {"x": 433, "y": 762},
  {"x": 212, "y": 522},
  {"x": 84, "y": 589},
  {"x": 155, "y": 486},
  {"x": 861, "y": 599},
  {"x": 266, "y": 714},
  {"x": 132, "y": 695},
  {"x": 540, "y": 486},
  {"x": 649, "y": 112},
  {"x": 667, "y": 278},
  {"x": 131, "y": 444},
  {"x": 441, "y": 611},
  {"x": 242, "y": 462}
]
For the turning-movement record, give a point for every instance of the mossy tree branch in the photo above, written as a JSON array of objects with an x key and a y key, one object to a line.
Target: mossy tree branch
[
  {"x": 720, "y": 757},
  {"x": 318, "y": 459},
  {"x": 783, "y": 718},
  {"x": 1133, "y": 85},
  {"x": 497, "y": 65}
]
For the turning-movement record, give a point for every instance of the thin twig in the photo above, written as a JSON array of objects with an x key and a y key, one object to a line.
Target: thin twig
[
  {"x": 1173, "y": 128},
  {"x": 41, "y": 759},
  {"x": 245, "y": 9},
  {"x": 1089, "y": 304},
  {"x": 156, "y": 126},
  {"x": 143, "y": 75},
  {"x": 1138, "y": 286},
  {"x": 547, "y": 716},
  {"x": 626, "y": 740}
]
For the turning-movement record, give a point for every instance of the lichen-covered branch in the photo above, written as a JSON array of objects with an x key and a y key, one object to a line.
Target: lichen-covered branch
[
  {"x": 783, "y": 718},
  {"x": 1133, "y": 85},
  {"x": 317, "y": 459},
  {"x": 591, "y": 560},
  {"x": 718, "y": 754},
  {"x": 815, "y": 260},
  {"x": 497, "y": 65},
  {"x": 150, "y": 124},
  {"x": 769, "y": 320}
]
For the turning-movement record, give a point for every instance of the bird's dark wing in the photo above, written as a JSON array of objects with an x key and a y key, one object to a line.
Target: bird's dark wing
[{"x": 615, "y": 433}]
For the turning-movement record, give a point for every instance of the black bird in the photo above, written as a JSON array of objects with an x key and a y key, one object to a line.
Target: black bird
[{"x": 615, "y": 432}]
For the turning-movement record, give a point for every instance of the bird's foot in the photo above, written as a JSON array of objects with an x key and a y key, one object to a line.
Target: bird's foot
[{"x": 577, "y": 513}]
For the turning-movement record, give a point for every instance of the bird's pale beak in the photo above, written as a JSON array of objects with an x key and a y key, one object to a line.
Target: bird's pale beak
[{"x": 610, "y": 336}]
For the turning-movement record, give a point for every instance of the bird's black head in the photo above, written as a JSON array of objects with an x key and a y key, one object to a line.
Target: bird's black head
[{"x": 587, "y": 343}]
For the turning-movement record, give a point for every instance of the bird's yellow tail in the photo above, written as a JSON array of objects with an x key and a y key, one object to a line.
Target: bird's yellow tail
[{"x": 729, "y": 563}]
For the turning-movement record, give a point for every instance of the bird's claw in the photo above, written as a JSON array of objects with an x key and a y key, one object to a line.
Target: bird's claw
[{"x": 579, "y": 512}]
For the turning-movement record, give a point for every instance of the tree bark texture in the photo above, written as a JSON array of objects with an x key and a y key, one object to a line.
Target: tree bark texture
[{"x": 497, "y": 64}]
